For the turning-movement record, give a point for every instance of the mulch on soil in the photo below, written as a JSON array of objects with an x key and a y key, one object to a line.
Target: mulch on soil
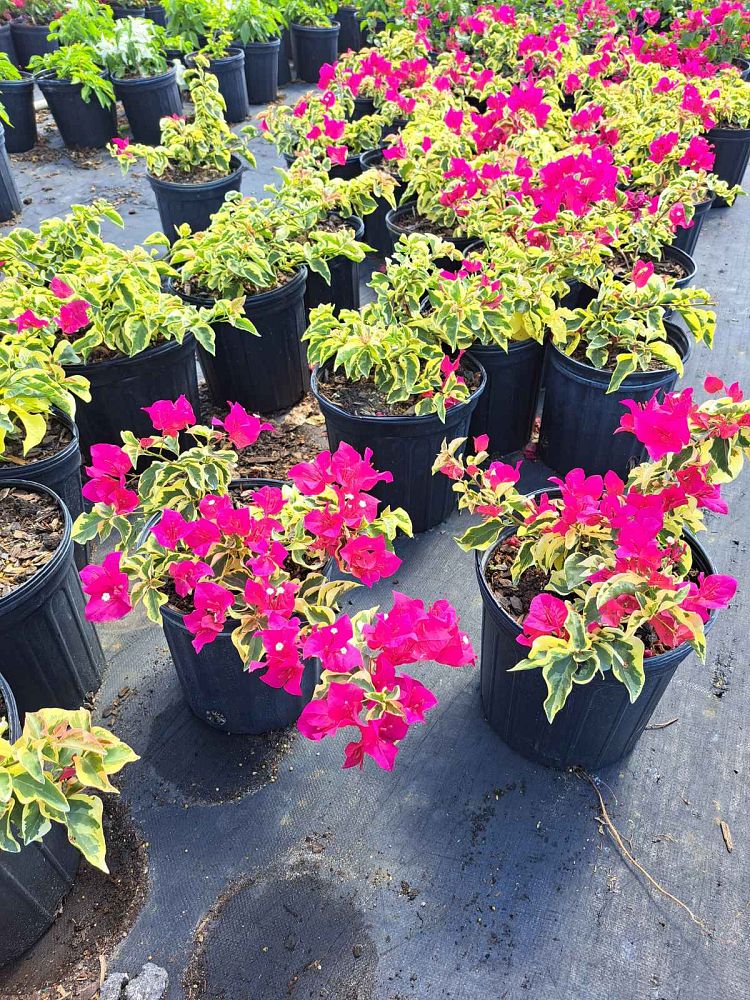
[
  {"x": 57, "y": 438},
  {"x": 363, "y": 398},
  {"x": 31, "y": 528}
]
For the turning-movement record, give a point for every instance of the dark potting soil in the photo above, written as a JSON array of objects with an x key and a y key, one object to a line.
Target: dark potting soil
[
  {"x": 667, "y": 268},
  {"x": 198, "y": 175},
  {"x": 363, "y": 399},
  {"x": 332, "y": 223},
  {"x": 193, "y": 287},
  {"x": 57, "y": 438},
  {"x": 515, "y": 598},
  {"x": 298, "y": 435},
  {"x": 579, "y": 354},
  {"x": 96, "y": 915},
  {"x": 411, "y": 222},
  {"x": 31, "y": 528}
]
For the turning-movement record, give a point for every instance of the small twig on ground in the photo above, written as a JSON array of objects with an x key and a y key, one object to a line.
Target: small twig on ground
[
  {"x": 606, "y": 820},
  {"x": 727, "y": 835},
  {"x": 664, "y": 725}
]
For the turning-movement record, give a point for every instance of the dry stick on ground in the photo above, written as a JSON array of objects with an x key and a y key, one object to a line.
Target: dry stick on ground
[
  {"x": 615, "y": 835},
  {"x": 664, "y": 725}
]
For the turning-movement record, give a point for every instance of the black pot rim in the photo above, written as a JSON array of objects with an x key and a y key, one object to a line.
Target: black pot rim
[
  {"x": 682, "y": 257},
  {"x": 334, "y": 26},
  {"x": 601, "y": 375},
  {"x": 149, "y": 352},
  {"x": 651, "y": 663},
  {"x": 18, "y": 24},
  {"x": 724, "y": 133},
  {"x": 514, "y": 347},
  {"x": 140, "y": 81},
  {"x": 27, "y": 80},
  {"x": 270, "y": 43},
  {"x": 47, "y": 78},
  {"x": 14, "y": 723},
  {"x": 393, "y": 214},
  {"x": 260, "y": 298},
  {"x": 236, "y": 54},
  {"x": 52, "y": 461},
  {"x": 414, "y": 420},
  {"x": 20, "y": 594},
  {"x": 157, "y": 182}
]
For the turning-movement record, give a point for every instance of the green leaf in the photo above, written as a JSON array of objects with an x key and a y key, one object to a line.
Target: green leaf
[
  {"x": 481, "y": 536},
  {"x": 627, "y": 663},
  {"x": 558, "y": 675},
  {"x": 85, "y": 831}
]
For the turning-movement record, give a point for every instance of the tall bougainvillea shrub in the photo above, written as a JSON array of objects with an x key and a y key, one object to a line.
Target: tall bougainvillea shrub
[
  {"x": 611, "y": 560},
  {"x": 260, "y": 561}
]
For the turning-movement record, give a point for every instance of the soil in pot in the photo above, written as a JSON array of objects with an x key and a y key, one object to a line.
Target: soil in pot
[
  {"x": 96, "y": 915},
  {"x": 32, "y": 529},
  {"x": 363, "y": 398},
  {"x": 57, "y": 438}
]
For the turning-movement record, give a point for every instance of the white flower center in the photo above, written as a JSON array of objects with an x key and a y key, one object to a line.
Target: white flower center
[
  {"x": 106, "y": 597},
  {"x": 279, "y": 646}
]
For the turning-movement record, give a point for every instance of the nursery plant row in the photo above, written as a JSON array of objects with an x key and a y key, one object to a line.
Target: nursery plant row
[{"x": 536, "y": 182}]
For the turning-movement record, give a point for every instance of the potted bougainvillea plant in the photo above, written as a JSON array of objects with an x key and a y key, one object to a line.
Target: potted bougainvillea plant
[
  {"x": 596, "y": 590},
  {"x": 241, "y": 576},
  {"x": 51, "y": 775}
]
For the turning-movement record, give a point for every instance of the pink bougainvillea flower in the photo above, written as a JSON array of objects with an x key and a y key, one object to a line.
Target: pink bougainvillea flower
[
  {"x": 663, "y": 145},
  {"x": 651, "y": 16},
  {"x": 699, "y": 155},
  {"x": 332, "y": 644},
  {"x": 395, "y": 152},
  {"x": 714, "y": 591},
  {"x": 109, "y": 466},
  {"x": 678, "y": 218},
  {"x": 356, "y": 472},
  {"x": 454, "y": 119},
  {"x": 426, "y": 144},
  {"x": 481, "y": 442},
  {"x": 311, "y": 478},
  {"x": 368, "y": 559},
  {"x": 284, "y": 668},
  {"x": 378, "y": 739},
  {"x": 712, "y": 383},
  {"x": 59, "y": 289},
  {"x": 107, "y": 589},
  {"x": 414, "y": 698},
  {"x": 314, "y": 133},
  {"x": 325, "y": 716},
  {"x": 641, "y": 273},
  {"x": 337, "y": 154},
  {"x": 326, "y": 76},
  {"x": 200, "y": 535},
  {"x": 28, "y": 321},
  {"x": 212, "y": 601},
  {"x": 333, "y": 128},
  {"x": 74, "y": 316},
  {"x": 547, "y": 616},
  {"x": 108, "y": 460},
  {"x": 171, "y": 417},
  {"x": 663, "y": 427},
  {"x": 170, "y": 530},
  {"x": 243, "y": 429},
  {"x": 121, "y": 146},
  {"x": 499, "y": 474},
  {"x": 187, "y": 573}
]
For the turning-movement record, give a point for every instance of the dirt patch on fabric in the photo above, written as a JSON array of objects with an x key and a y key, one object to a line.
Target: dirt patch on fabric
[
  {"x": 31, "y": 528},
  {"x": 97, "y": 913},
  {"x": 297, "y": 935}
]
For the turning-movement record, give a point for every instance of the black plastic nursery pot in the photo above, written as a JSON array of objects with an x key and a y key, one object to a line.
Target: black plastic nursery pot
[
  {"x": 343, "y": 292},
  {"x": 82, "y": 124},
  {"x": 35, "y": 881},
  {"x": 146, "y": 101},
  {"x": 396, "y": 221},
  {"x": 598, "y": 725},
  {"x": 219, "y": 691},
  {"x": 580, "y": 418},
  {"x": 507, "y": 407},
  {"x": 312, "y": 48},
  {"x": 687, "y": 239},
  {"x": 10, "y": 202},
  {"x": 17, "y": 97},
  {"x": 193, "y": 203},
  {"x": 50, "y": 654},
  {"x": 732, "y": 152},
  {"x": 60, "y": 473},
  {"x": 6, "y": 43},
  {"x": 230, "y": 74},
  {"x": 121, "y": 11},
  {"x": 377, "y": 233},
  {"x": 120, "y": 387},
  {"x": 262, "y": 69},
  {"x": 363, "y": 107},
  {"x": 350, "y": 35},
  {"x": 405, "y": 446},
  {"x": 285, "y": 57},
  {"x": 31, "y": 40},
  {"x": 265, "y": 373},
  {"x": 155, "y": 12}
]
